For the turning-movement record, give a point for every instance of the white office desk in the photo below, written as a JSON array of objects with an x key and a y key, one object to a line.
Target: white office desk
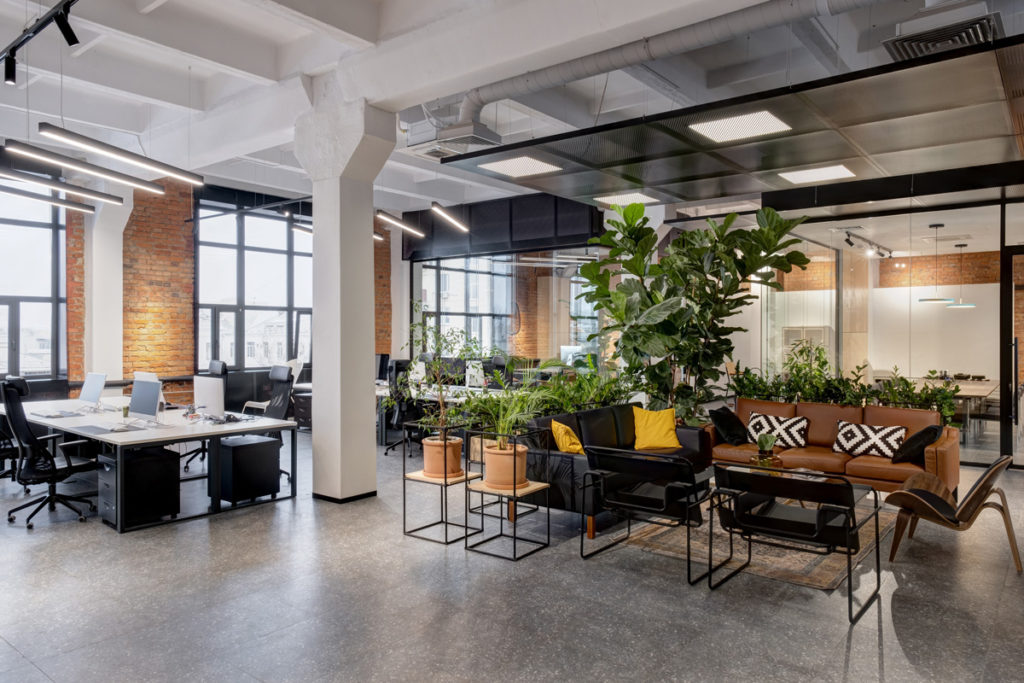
[{"x": 174, "y": 428}]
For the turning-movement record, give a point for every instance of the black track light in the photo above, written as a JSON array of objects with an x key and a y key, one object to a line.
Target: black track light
[
  {"x": 848, "y": 240},
  {"x": 10, "y": 70},
  {"x": 61, "y": 19}
]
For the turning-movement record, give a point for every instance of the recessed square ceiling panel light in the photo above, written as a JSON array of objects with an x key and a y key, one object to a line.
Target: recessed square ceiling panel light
[
  {"x": 817, "y": 175},
  {"x": 626, "y": 198},
  {"x": 741, "y": 127},
  {"x": 520, "y": 167}
]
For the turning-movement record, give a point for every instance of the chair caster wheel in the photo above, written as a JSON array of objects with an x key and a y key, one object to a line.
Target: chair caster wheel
[
  {"x": 81, "y": 518},
  {"x": 10, "y": 519},
  {"x": 92, "y": 508},
  {"x": 186, "y": 468},
  {"x": 28, "y": 491},
  {"x": 29, "y": 525},
  {"x": 273, "y": 496}
]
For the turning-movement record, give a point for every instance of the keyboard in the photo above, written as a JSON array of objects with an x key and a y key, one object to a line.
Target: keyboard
[{"x": 56, "y": 413}]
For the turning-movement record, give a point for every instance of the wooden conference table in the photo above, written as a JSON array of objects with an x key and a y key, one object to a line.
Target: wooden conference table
[{"x": 173, "y": 428}]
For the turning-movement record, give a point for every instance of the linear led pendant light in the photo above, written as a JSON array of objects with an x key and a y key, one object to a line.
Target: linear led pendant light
[
  {"x": 439, "y": 210},
  {"x": 936, "y": 299},
  {"x": 61, "y": 187},
  {"x": 388, "y": 218},
  {"x": 960, "y": 302},
  {"x": 46, "y": 199},
  {"x": 21, "y": 149},
  {"x": 88, "y": 144}
]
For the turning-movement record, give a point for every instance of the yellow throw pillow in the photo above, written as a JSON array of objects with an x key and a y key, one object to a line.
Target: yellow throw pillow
[
  {"x": 566, "y": 439},
  {"x": 655, "y": 429}
]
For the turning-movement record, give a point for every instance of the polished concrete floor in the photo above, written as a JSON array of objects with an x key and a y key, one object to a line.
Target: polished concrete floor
[{"x": 311, "y": 591}]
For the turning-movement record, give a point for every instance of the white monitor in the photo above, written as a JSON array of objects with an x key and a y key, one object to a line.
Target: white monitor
[
  {"x": 145, "y": 400},
  {"x": 208, "y": 395},
  {"x": 475, "y": 373},
  {"x": 92, "y": 388},
  {"x": 150, "y": 377}
]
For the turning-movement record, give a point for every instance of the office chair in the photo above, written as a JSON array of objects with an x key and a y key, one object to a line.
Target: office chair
[
  {"x": 217, "y": 368},
  {"x": 37, "y": 464},
  {"x": 8, "y": 451},
  {"x": 277, "y": 407},
  {"x": 406, "y": 410}
]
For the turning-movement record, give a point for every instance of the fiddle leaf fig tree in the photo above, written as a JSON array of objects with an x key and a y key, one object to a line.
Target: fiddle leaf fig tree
[{"x": 670, "y": 317}]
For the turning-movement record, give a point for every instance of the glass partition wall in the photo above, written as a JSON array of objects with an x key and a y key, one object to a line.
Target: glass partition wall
[{"x": 524, "y": 305}]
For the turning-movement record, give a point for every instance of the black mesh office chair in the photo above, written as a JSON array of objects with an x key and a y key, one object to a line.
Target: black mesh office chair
[
  {"x": 37, "y": 464},
  {"x": 218, "y": 368},
  {"x": 406, "y": 409},
  {"x": 277, "y": 406},
  {"x": 8, "y": 451}
]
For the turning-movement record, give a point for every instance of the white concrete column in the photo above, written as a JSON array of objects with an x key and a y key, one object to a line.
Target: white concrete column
[
  {"x": 343, "y": 146},
  {"x": 104, "y": 305}
]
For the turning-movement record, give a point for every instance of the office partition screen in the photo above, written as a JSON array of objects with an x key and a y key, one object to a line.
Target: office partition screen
[
  {"x": 254, "y": 288},
  {"x": 32, "y": 297}
]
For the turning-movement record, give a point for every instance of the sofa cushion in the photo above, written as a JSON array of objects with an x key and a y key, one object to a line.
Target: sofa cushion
[
  {"x": 913, "y": 419},
  {"x": 790, "y": 432},
  {"x": 912, "y": 450},
  {"x": 745, "y": 406},
  {"x": 728, "y": 425},
  {"x": 543, "y": 439},
  {"x": 565, "y": 438},
  {"x": 624, "y": 426},
  {"x": 814, "y": 458},
  {"x": 877, "y": 467},
  {"x": 655, "y": 428},
  {"x": 867, "y": 439},
  {"x": 824, "y": 421},
  {"x": 597, "y": 428},
  {"x": 729, "y": 453}
]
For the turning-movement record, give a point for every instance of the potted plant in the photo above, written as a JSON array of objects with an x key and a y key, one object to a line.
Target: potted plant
[
  {"x": 505, "y": 412},
  {"x": 765, "y": 454}
]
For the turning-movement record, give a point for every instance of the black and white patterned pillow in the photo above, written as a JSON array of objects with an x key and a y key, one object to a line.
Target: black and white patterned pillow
[
  {"x": 856, "y": 439},
  {"x": 790, "y": 432}
]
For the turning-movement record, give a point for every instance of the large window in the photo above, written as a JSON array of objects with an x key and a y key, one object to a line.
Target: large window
[
  {"x": 254, "y": 289},
  {"x": 471, "y": 294},
  {"x": 32, "y": 298}
]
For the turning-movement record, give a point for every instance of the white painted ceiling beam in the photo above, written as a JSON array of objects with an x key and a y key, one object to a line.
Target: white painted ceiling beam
[
  {"x": 176, "y": 33},
  {"x": 560, "y": 105},
  {"x": 79, "y": 106},
  {"x": 747, "y": 71},
  {"x": 350, "y": 22},
  {"x": 147, "y": 6}
]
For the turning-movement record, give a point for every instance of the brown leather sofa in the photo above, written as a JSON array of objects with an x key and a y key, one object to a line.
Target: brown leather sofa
[{"x": 942, "y": 458}]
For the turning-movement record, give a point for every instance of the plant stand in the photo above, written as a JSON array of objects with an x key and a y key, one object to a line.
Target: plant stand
[{"x": 453, "y": 531}]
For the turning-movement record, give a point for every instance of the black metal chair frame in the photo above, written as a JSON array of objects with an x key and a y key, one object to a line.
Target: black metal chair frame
[
  {"x": 693, "y": 493},
  {"x": 282, "y": 403},
  {"x": 789, "y": 487}
]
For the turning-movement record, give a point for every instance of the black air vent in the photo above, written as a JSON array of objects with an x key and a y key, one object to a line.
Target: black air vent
[{"x": 977, "y": 31}]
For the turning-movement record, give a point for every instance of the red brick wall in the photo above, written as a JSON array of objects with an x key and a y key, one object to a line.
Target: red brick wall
[
  {"x": 159, "y": 277},
  {"x": 818, "y": 275},
  {"x": 382, "y": 288},
  {"x": 524, "y": 342},
  {"x": 74, "y": 264},
  {"x": 979, "y": 268}
]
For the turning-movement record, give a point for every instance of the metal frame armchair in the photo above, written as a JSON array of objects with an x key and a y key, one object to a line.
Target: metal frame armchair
[
  {"x": 923, "y": 496},
  {"x": 655, "y": 489},
  {"x": 37, "y": 464},
  {"x": 767, "y": 506}
]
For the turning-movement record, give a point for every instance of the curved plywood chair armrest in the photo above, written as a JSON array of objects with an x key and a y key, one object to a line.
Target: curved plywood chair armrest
[{"x": 924, "y": 504}]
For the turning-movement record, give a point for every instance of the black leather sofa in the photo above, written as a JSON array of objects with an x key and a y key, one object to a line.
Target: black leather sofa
[{"x": 604, "y": 428}]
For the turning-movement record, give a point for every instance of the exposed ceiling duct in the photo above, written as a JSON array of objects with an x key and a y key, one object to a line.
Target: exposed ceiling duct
[
  {"x": 945, "y": 26},
  {"x": 675, "y": 42}
]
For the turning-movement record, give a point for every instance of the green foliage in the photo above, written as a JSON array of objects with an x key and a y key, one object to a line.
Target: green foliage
[
  {"x": 766, "y": 442},
  {"x": 671, "y": 318}
]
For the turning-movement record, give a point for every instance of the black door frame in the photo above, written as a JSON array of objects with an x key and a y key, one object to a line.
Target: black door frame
[{"x": 1007, "y": 382}]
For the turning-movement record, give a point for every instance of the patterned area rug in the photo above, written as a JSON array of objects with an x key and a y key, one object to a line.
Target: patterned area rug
[{"x": 826, "y": 572}]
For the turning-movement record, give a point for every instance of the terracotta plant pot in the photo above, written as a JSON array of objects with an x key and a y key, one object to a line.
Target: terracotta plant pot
[
  {"x": 439, "y": 458},
  {"x": 498, "y": 467},
  {"x": 476, "y": 447}
]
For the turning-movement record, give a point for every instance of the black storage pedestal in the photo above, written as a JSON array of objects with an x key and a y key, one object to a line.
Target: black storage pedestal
[
  {"x": 250, "y": 467},
  {"x": 150, "y": 486}
]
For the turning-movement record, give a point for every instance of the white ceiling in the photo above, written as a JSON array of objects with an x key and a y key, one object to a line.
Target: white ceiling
[{"x": 217, "y": 86}]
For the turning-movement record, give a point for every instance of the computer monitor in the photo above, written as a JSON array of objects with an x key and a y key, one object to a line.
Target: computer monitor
[
  {"x": 150, "y": 377},
  {"x": 92, "y": 388},
  {"x": 145, "y": 400},
  {"x": 382, "y": 366},
  {"x": 208, "y": 395}
]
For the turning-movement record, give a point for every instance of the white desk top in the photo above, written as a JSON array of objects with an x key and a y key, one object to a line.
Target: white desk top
[{"x": 174, "y": 426}]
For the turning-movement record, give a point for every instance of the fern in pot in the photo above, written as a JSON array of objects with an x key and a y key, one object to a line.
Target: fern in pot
[{"x": 506, "y": 412}]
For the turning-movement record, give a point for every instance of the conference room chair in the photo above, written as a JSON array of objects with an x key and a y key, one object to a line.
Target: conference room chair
[
  {"x": 217, "y": 368},
  {"x": 277, "y": 407},
  {"x": 37, "y": 463},
  {"x": 924, "y": 496}
]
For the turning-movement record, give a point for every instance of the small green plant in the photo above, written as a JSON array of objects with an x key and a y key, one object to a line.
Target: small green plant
[
  {"x": 766, "y": 442},
  {"x": 506, "y": 410}
]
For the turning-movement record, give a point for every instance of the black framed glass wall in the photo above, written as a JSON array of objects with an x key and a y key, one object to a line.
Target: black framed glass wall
[
  {"x": 33, "y": 304},
  {"x": 254, "y": 288},
  {"x": 521, "y": 304}
]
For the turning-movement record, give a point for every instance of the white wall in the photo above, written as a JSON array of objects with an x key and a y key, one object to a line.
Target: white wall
[
  {"x": 920, "y": 337},
  {"x": 747, "y": 345}
]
